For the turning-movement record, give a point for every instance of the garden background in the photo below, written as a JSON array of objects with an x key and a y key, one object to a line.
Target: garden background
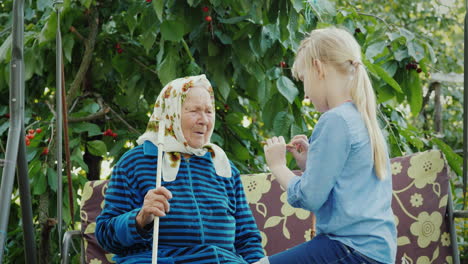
[{"x": 119, "y": 54}]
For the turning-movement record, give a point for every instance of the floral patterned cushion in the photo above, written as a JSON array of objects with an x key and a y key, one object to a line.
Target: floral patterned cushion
[
  {"x": 420, "y": 184},
  {"x": 281, "y": 225},
  {"x": 92, "y": 202},
  {"x": 420, "y": 195}
]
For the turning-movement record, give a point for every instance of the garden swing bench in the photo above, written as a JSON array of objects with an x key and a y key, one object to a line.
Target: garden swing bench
[{"x": 422, "y": 201}]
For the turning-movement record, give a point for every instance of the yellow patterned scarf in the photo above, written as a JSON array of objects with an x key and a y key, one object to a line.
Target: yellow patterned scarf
[{"x": 169, "y": 106}]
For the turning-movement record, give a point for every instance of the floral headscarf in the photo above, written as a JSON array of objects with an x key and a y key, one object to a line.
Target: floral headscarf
[{"x": 169, "y": 106}]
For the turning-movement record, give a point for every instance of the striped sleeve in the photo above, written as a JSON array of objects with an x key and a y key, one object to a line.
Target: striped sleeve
[
  {"x": 248, "y": 241},
  {"x": 116, "y": 229}
]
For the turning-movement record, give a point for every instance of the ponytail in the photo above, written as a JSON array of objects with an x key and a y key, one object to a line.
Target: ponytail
[{"x": 363, "y": 97}]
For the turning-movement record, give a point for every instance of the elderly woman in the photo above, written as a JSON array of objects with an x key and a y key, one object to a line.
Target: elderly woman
[{"x": 204, "y": 216}]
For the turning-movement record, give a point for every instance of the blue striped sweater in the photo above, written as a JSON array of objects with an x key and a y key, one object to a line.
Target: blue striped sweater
[{"x": 209, "y": 221}]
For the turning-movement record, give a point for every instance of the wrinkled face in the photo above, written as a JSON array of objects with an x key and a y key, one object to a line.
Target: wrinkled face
[{"x": 197, "y": 117}]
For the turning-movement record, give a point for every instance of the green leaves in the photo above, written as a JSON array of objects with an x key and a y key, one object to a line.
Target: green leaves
[
  {"x": 37, "y": 172},
  {"x": 401, "y": 54},
  {"x": 147, "y": 39},
  {"x": 193, "y": 69},
  {"x": 222, "y": 84},
  {"x": 159, "y": 8},
  {"x": 43, "y": 4},
  {"x": 91, "y": 128},
  {"x": 97, "y": 147},
  {"x": 377, "y": 70},
  {"x": 415, "y": 95},
  {"x": 415, "y": 50},
  {"x": 375, "y": 49},
  {"x": 86, "y": 3},
  {"x": 68, "y": 43},
  {"x": 408, "y": 35},
  {"x": 287, "y": 88},
  {"x": 239, "y": 51},
  {"x": 50, "y": 28},
  {"x": 52, "y": 179},
  {"x": 453, "y": 159},
  {"x": 167, "y": 70},
  {"x": 5, "y": 49},
  {"x": 282, "y": 124},
  {"x": 172, "y": 30},
  {"x": 266, "y": 40}
]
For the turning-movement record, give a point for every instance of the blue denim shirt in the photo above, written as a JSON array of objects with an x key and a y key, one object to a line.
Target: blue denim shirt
[{"x": 341, "y": 187}]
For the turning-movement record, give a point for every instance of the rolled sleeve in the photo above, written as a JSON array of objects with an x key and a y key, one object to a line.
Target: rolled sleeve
[
  {"x": 328, "y": 151},
  {"x": 129, "y": 230},
  {"x": 293, "y": 192}
]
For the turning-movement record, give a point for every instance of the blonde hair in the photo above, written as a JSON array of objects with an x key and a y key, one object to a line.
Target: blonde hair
[{"x": 339, "y": 48}]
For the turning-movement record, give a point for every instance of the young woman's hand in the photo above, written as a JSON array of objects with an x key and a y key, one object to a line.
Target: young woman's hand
[
  {"x": 155, "y": 204},
  {"x": 275, "y": 152},
  {"x": 298, "y": 147}
]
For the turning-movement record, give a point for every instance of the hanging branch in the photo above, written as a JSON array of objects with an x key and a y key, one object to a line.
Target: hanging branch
[
  {"x": 51, "y": 108},
  {"x": 144, "y": 66},
  {"x": 75, "y": 102},
  {"x": 88, "y": 54},
  {"x": 125, "y": 122},
  {"x": 73, "y": 30},
  {"x": 379, "y": 18},
  {"x": 91, "y": 117},
  {"x": 187, "y": 50}
]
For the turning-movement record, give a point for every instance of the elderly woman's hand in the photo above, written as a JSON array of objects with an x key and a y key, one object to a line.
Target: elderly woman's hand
[{"x": 155, "y": 204}]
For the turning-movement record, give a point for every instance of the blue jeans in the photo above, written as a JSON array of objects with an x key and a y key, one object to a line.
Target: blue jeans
[{"x": 320, "y": 250}]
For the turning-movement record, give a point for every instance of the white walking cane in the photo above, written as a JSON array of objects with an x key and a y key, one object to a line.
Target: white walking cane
[{"x": 158, "y": 184}]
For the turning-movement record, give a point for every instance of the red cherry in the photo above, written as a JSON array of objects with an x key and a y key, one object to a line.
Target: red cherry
[
  {"x": 38, "y": 130},
  {"x": 7, "y": 115},
  {"x": 119, "y": 51},
  {"x": 29, "y": 136},
  {"x": 208, "y": 18},
  {"x": 205, "y": 9},
  {"x": 419, "y": 70},
  {"x": 148, "y": 1},
  {"x": 114, "y": 135},
  {"x": 108, "y": 132},
  {"x": 283, "y": 64},
  {"x": 28, "y": 142},
  {"x": 45, "y": 151},
  {"x": 31, "y": 131},
  {"x": 117, "y": 46}
]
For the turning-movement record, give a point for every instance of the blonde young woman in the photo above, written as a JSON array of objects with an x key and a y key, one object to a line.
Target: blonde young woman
[{"x": 345, "y": 180}]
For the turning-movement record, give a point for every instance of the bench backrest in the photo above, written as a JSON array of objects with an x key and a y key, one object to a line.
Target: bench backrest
[{"x": 420, "y": 184}]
